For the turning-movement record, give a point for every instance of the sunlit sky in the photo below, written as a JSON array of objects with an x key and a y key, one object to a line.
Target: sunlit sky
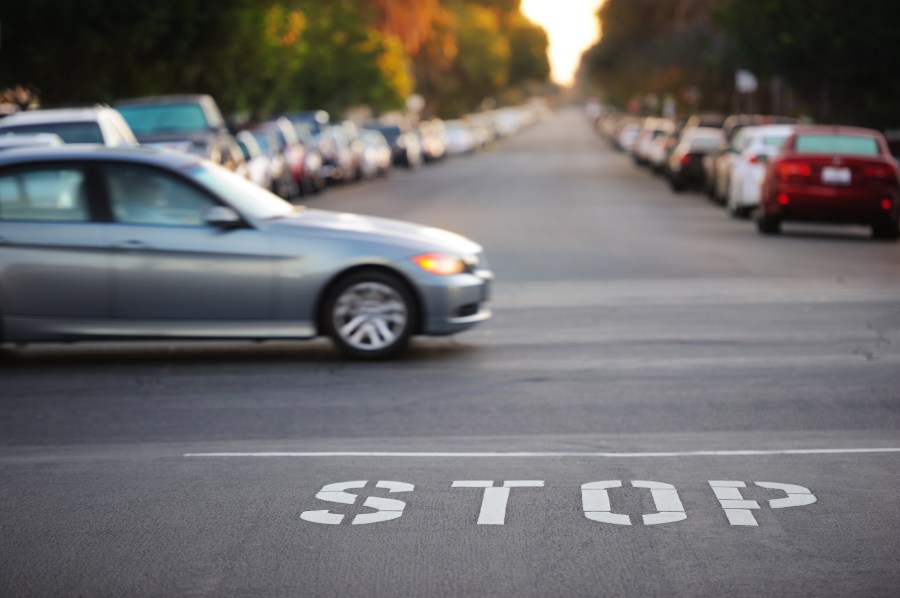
[{"x": 572, "y": 28}]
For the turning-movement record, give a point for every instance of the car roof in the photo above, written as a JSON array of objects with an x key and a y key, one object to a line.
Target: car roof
[
  {"x": 187, "y": 98},
  {"x": 56, "y": 115},
  {"x": 89, "y": 152},
  {"x": 770, "y": 130},
  {"x": 703, "y": 132}
]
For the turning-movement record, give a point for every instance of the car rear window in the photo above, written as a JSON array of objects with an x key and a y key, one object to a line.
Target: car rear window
[
  {"x": 704, "y": 143},
  {"x": 84, "y": 132},
  {"x": 856, "y": 145}
]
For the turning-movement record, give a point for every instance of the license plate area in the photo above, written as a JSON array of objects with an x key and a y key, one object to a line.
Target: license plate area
[{"x": 832, "y": 175}]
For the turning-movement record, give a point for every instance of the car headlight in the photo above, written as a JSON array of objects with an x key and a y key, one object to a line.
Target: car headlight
[{"x": 441, "y": 264}]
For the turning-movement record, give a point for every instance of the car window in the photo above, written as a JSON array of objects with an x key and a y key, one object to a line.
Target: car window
[
  {"x": 164, "y": 118},
  {"x": 774, "y": 140},
  {"x": 857, "y": 145},
  {"x": 140, "y": 195},
  {"x": 704, "y": 143},
  {"x": 44, "y": 194},
  {"x": 83, "y": 132},
  {"x": 246, "y": 197}
]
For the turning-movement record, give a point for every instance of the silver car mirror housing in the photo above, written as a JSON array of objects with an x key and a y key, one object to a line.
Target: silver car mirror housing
[{"x": 222, "y": 217}]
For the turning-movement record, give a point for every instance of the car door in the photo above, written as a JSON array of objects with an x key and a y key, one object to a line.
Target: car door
[
  {"x": 170, "y": 266},
  {"x": 54, "y": 256}
]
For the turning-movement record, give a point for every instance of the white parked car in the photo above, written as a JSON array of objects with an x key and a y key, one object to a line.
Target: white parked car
[
  {"x": 628, "y": 135},
  {"x": 96, "y": 124},
  {"x": 259, "y": 168},
  {"x": 460, "y": 139},
  {"x": 653, "y": 129},
  {"x": 748, "y": 166}
]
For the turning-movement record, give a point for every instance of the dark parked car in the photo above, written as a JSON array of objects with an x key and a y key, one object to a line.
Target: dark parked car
[
  {"x": 832, "y": 174},
  {"x": 188, "y": 123},
  {"x": 139, "y": 244},
  {"x": 684, "y": 167},
  {"x": 406, "y": 147}
]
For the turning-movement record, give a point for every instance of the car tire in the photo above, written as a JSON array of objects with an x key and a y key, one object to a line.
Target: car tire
[
  {"x": 738, "y": 212},
  {"x": 370, "y": 314},
  {"x": 888, "y": 231},
  {"x": 768, "y": 225}
]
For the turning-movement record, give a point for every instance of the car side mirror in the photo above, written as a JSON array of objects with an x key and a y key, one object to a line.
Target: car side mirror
[{"x": 222, "y": 217}]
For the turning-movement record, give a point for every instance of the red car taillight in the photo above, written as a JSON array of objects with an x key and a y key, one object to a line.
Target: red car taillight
[
  {"x": 792, "y": 171},
  {"x": 880, "y": 172}
]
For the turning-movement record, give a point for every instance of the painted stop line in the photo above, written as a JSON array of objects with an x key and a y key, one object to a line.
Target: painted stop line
[{"x": 595, "y": 498}]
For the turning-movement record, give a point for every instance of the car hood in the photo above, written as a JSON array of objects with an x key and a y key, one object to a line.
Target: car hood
[{"x": 376, "y": 230}]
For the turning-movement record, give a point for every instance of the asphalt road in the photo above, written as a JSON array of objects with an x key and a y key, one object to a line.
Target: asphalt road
[{"x": 665, "y": 403}]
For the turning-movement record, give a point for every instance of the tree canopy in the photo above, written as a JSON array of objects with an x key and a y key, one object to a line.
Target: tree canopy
[
  {"x": 834, "y": 62},
  {"x": 263, "y": 57}
]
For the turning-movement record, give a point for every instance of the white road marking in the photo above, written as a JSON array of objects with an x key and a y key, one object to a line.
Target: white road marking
[
  {"x": 547, "y": 454},
  {"x": 738, "y": 509},
  {"x": 386, "y": 508},
  {"x": 596, "y": 506},
  {"x": 495, "y": 499}
]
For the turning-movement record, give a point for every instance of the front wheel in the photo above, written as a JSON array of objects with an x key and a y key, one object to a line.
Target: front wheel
[{"x": 370, "y": 315}]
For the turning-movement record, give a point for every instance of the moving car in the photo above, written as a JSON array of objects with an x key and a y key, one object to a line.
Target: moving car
[
  {"x": 832, "y": 174},
  {"x": 95, "y": 124},
  {"x": 98, "y": 243}
]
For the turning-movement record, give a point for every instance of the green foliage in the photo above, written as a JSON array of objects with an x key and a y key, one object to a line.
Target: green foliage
[
  {"x": 495, "y": 48},
  {"x": 839, "y": 57},
  {"x": 262, "y": 56},
  {"x": 660, "y": 47},
  {"x": 835, "y": 60}
]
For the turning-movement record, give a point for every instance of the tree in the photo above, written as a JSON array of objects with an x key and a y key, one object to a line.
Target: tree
[
  {"x": 839, "y": 58},
  {"x": 659, "y": 47}
]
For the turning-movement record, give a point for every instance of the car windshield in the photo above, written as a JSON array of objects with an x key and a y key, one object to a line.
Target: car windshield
[
  {"x": 165, "y": 118},
  {"x": 246, "y": 197},
  {"x": 854, "y": 145},
  {"x": 84, "y": 132},
  {"x": 262, "y": 139}
]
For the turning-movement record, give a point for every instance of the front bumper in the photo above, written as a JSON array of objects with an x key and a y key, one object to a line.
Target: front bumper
[{"x": 456, "y": 305}]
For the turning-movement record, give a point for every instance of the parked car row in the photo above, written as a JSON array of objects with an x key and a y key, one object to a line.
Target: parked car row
[
  {"x": 293, "y": 154},
  {"x": 773, "y": 169}
]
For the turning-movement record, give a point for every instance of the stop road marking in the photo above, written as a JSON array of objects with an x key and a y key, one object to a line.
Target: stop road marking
[{"x": 595, "y": 498}]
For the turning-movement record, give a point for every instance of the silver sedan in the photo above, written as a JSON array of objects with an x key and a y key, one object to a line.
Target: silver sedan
[{"x": 99, "y": 243}]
